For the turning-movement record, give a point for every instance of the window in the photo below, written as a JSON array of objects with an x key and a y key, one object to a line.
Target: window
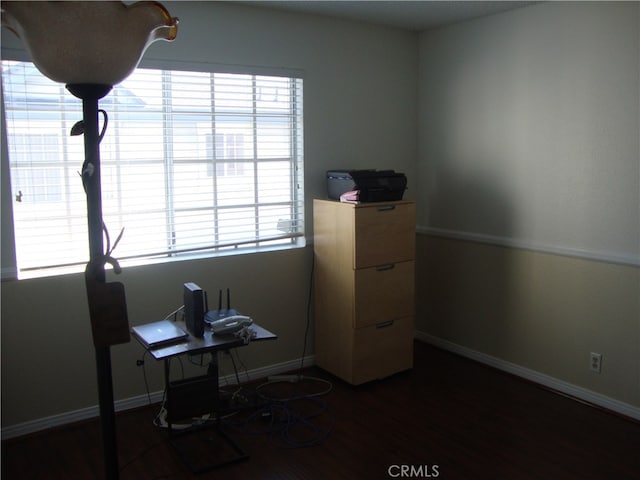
[
  {"x": 42, "y": 183},
  {"x": 191, "y": 162}
]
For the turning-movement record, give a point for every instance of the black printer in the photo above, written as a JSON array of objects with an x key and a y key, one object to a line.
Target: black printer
[{"x": 373, "y": 185}]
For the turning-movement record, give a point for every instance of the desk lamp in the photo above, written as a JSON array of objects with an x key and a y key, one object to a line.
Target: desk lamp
[{"x": 90, "y": 47}]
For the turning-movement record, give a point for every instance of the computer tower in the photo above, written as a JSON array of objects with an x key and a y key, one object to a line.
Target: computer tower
[
  {"x": 192, "y": 397},
  {"x": 194, "y": 309}
]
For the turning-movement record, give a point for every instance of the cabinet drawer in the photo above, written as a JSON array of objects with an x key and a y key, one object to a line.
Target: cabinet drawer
[
  {"x": 384, "y": 233},
  {"x": 384, "y": 292},
  {"x": 381, "y": 350}
]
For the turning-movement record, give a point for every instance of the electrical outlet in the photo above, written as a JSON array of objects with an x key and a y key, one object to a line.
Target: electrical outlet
[{"x": 596, "y": 362}]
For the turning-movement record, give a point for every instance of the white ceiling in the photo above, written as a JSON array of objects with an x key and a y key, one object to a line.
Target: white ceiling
[{"x": 415, "y": 15}]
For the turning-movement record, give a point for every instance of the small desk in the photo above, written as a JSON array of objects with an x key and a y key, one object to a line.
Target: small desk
[
  {"x": 209, "y": 343},
  {"x": 196, "y": 396}
]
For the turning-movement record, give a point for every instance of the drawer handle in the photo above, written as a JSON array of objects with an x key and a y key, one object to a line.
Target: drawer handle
[
  {"x": 384, "y": 324},
  {"x": 386, "y": 208},
  {"x": 388, "y": 266}
]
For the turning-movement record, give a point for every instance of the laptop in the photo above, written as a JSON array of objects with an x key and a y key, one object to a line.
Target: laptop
[{"x": 159, "y": 334}]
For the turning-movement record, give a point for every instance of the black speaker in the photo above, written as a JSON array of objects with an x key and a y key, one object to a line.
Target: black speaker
[{"x": 194, "y": 309}]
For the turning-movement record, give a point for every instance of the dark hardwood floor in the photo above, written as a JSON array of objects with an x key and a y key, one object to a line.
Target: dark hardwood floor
[{"x": 448, "y": 418}]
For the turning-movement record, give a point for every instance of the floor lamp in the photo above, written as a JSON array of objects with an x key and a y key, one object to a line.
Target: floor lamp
[{"x": 90, "y": 47}]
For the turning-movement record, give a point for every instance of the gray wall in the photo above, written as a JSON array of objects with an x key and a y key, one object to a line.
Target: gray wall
[
  {"x": 529, "y": 146},
  {"x": 360, "y": 85},
  {"x": 529, "y": 128}
]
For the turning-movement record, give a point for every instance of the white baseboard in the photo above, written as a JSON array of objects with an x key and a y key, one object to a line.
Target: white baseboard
[
  {"x": 561, "y": 386},
  {"x": 37, "y": 425},
  {"x": 263, "y": 372}
]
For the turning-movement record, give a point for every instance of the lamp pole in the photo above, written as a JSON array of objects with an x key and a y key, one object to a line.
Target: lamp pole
[
  {"x": 90, "y": 94},
  {"x": 59, "y": 51}
]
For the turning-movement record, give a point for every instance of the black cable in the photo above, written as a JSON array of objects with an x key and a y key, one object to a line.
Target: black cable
[
  {"x": 286, "y": 426},
  {"x": 309, "y": 296},
  {"x": 244, "y": 367},
  {"x": 181, "y": 365},
  {"x": 235, "y": 369},
  {"x": 157, "y": 419},
  {"x": 144, "y": 376},
  {"x": 104, "y": 125},
  {"x": 304, "y": 350},
  {"x": 193, "y": 356}
]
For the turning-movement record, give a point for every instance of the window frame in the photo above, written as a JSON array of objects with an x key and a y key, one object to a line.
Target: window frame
[{"x": 296, "y": 240}]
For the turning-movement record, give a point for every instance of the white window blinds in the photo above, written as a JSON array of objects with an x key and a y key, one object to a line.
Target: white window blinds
[{"x": 190, "y": 162}]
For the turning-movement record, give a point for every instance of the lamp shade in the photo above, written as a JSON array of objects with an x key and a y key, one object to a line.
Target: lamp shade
[{"x": 88, "y": 42}]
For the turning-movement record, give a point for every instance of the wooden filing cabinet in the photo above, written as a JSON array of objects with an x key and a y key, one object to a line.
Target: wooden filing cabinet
[{"x": 364, "y": 288}]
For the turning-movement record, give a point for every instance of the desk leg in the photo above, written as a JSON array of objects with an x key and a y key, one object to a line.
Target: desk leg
[
  {"x": 166, "y": 389},
  {"x": 212, "y": 371},
  {"x": 197, "y": 445}
]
